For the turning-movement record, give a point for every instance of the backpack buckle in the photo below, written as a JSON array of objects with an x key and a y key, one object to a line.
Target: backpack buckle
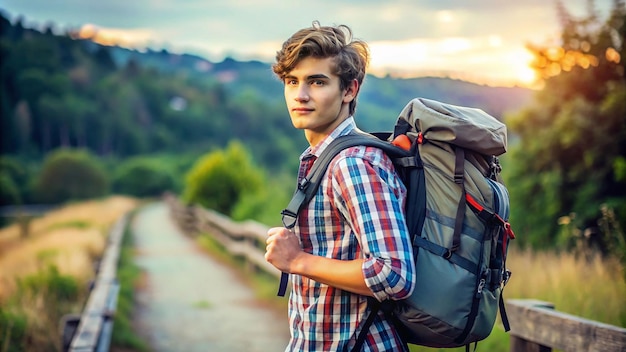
[
  {"x": 289, "y": 218},
  {"x": 507, "y": 276}
]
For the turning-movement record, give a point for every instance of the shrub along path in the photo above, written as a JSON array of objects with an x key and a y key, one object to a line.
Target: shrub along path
[{"x": 190, "y": 302}]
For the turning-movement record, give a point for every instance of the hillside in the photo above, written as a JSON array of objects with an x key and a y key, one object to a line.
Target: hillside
[
  {"x": 381, "y": 98},
  {"x": 65, "y": 91}
]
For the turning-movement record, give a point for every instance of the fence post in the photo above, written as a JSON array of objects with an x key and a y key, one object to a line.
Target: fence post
[{"x": 520, "y": 343}]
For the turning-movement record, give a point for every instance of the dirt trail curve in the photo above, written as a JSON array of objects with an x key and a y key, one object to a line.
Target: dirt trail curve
[{"x": 192, "y": 302}]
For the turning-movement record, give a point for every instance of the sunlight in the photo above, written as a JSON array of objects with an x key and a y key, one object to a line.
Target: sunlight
[
  {"x": 397, "y": 54},
  {"x": 495, "y": 41},
  {"x": 489, "y": 61},
  {"x": 521, "y": 64},
  {"x": 111, "y": 36},
  {"x": 613, "y": 55},
  {"x": 454, "y": 45},
  {"x": 526, "y": 75},
  {"x": 445, "y": 16}
]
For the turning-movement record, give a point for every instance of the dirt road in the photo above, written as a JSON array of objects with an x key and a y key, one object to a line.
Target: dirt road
[{"x": 192, "y": 302}]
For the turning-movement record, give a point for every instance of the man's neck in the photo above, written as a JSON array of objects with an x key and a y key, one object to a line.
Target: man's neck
[{"x": 315, "y": 137}]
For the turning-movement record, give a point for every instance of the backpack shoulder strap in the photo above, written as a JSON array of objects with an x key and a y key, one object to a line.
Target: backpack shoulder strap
[{"x": 309, "y": 185}]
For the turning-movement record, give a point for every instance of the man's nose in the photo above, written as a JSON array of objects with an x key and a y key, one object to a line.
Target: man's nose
[{"x": 302, "y": 93}]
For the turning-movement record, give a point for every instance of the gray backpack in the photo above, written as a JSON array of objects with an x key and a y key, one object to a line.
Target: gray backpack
[{"x": 457, "y": 214}]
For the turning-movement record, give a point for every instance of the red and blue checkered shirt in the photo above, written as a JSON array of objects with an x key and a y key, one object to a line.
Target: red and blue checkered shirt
[{"x": 358, "y": 212}]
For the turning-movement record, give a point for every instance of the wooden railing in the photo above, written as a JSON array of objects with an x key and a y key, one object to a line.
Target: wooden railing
[
  {"x": 535, "y": 325},
  {"x": 242, "y": 239},
  {"x": 91, "y": 330}
]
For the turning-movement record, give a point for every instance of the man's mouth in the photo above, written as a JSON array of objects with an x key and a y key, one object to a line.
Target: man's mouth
[{"x": 302, "y": 110}]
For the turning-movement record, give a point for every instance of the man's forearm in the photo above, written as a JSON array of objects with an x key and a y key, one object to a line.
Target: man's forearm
[{"x": 343, "y": 274}]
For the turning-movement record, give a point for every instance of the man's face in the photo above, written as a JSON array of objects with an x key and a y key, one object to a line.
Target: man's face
[{"x": 316, "y": 103}]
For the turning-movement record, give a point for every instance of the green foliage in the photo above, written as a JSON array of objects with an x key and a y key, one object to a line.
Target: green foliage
[
  {"x": 571, "y": 142},
  {"x": 13, "y": 331},
  {"x": 70, "y": 174},
  {"x": 9, "y": 193},
  {"x": 143, "y": 177},
  {"x": 220, "y": 179},
  {"x": 13, "y": 181},
  {"x": 128, "y": 275},
  {"x": 265, "y": 205},
  {"x": 58, "y": 91},
  {"x": 50, "y": 284}
]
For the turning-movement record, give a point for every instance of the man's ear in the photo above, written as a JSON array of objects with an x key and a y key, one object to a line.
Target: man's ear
[{"x": 351, "y": 91}]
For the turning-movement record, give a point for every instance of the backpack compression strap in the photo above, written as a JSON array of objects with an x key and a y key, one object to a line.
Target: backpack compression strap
[{"x": 307, "y": 188}]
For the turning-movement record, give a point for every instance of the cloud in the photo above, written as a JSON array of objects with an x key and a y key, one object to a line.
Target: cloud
[{"x": 435, "y": 35}]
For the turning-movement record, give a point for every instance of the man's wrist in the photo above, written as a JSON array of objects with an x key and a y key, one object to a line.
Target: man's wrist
[{"x": 299, "y": 264}]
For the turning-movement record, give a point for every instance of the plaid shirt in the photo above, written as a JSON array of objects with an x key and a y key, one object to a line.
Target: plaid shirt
[{"x": 358, "y": 212}]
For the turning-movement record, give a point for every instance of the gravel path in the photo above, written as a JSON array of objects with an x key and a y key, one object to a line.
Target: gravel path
[{"x": 193, "y": 303}]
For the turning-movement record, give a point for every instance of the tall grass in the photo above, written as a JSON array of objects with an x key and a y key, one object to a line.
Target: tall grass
[
  {"x": 37, "y": 307},
  {"x": 592, "y": 287},
  {"x": 45, "y": 275}
]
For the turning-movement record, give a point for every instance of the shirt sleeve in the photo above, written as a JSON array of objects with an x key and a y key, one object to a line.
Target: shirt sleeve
[{"x": 370, "y": 196}]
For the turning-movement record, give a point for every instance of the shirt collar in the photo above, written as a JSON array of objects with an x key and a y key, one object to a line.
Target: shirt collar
[{"x": 344, "y": 128}]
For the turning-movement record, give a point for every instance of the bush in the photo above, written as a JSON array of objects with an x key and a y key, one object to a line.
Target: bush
[
  {"x": 265, "y": 206},
  {"x": 70, "y": 174},
  {"x": 220, "y": 179},
  {"x": 9, "y": 192},
  {"x": 143, "y": 177}
]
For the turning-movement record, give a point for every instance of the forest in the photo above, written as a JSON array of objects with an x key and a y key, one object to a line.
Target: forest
[{"x": 82, "y": 121}]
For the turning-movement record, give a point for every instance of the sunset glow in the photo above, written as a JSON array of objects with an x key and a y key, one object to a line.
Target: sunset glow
[
  {"x": 112, "y": 36},
  {"x": 474, "y": 42},
  {"x": 483, "y": 60},
  {"x": 489, "y": 60}
]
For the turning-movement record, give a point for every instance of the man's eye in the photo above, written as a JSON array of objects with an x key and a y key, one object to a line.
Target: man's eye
[
  {"x": 318, "y": 82},
  {"x": 290, "y": 82}
]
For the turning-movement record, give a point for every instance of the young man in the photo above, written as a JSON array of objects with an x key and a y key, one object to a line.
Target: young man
[{"x": 350, "y": 242}]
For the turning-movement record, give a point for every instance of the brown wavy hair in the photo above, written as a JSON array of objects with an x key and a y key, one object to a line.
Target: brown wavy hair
[{"x": 351, "y": 56}]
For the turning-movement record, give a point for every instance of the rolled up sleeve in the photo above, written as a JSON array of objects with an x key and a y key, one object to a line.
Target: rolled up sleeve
[{"x": 371, "y": 198}]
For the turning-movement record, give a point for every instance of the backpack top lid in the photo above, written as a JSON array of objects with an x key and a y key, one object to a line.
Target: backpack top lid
[{"x": 465, "y": 127}]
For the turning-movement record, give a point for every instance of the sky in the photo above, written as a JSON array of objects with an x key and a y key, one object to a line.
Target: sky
[{"x": 479, "y": 40}]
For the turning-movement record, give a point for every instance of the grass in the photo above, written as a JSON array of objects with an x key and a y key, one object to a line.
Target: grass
[
  {"x": 62, "y": 245},
  {"x": 45, "y": 274},
  {"x": 124, "y": 337}
]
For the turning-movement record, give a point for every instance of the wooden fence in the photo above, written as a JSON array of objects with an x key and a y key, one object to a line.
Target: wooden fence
[
  {"x": 242, "y": 239},
  {"x": 535, "y": 325},
  {"x": 91, "y": 331}
]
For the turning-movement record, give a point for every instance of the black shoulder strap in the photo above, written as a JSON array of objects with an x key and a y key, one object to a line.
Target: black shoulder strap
[{"x": 309, "y": 185}]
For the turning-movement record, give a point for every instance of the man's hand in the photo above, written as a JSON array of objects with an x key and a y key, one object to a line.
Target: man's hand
[
  {"x": 284, "y": 251},
  {"x": 283, "y": 247}
]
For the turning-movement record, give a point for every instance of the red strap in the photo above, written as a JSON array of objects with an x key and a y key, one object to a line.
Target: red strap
[
  {"x": 473, "y": 203},
  {"x": 478, "y": 208}
]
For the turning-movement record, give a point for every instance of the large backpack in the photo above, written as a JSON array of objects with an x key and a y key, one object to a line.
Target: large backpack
[{"x": 457, "y": 212}]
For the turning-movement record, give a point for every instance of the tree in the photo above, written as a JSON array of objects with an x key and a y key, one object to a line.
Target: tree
[
  {"x": 572, "y": 139},
  {"x": 13, "y": 181},
  {"x": 71, "y": 174},
  {"x": 220, "y": 179}
]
